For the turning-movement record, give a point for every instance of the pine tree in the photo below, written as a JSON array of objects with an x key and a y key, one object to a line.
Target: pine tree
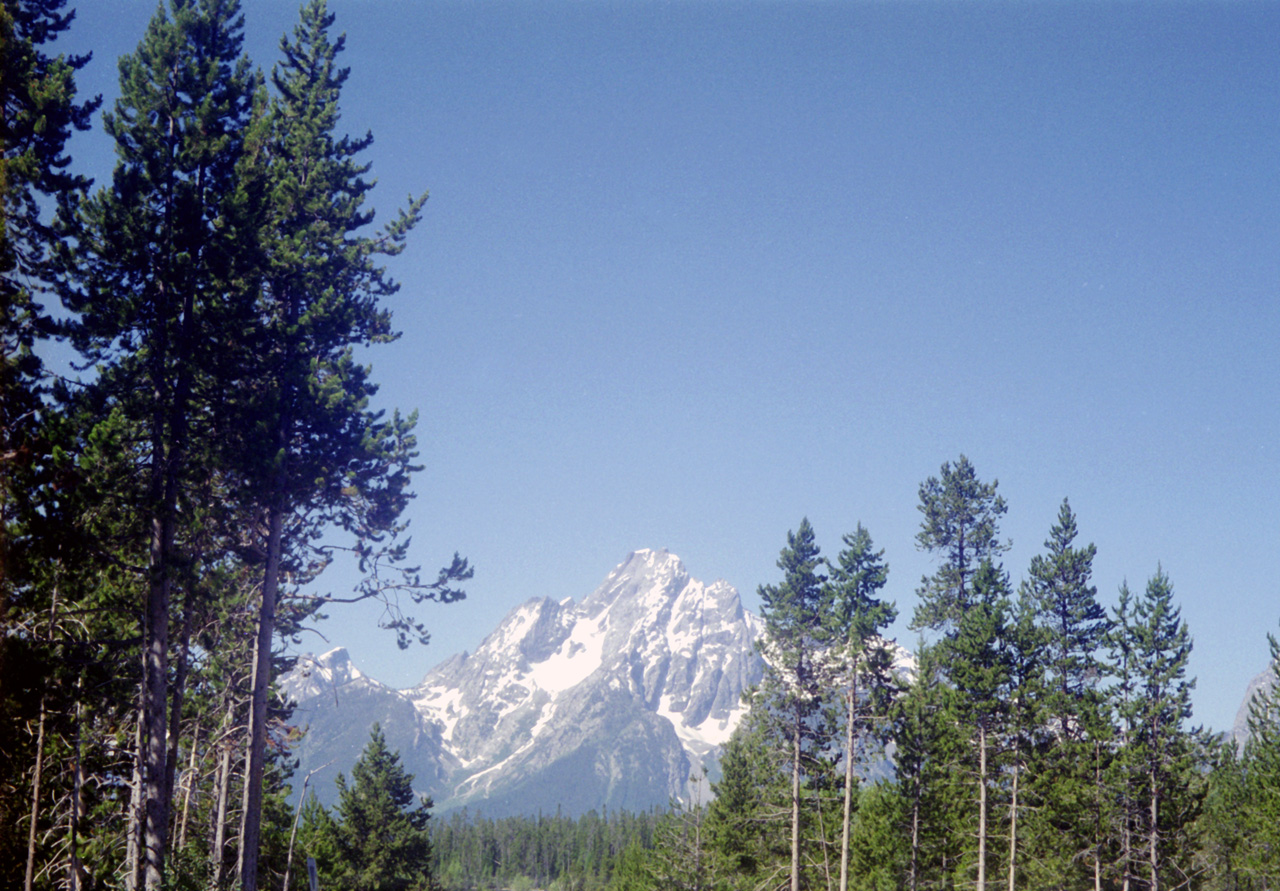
[
  {"x": 1065, "y": 604},
  {"x": 796, "y": 635},
  {"x": 961, "y": 523},
  {"x": 1261, "y": 768},
  {"x": 978, "y": 665},
  {"x": 377, "y": 838},
  {"x": 38, "y": 113},
  {"x": 929, "y": 748},
  {"x": 315, "y": 457},
  {"x": 877, "y": 857},
  {"x": 861, "y": 658},
  {"x": 750, "y": 796},
  {"x": 1161, "y": 758},
  {"x": 158, "y": 264}
]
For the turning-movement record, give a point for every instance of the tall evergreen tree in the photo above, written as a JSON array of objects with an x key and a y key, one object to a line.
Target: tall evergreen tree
[
  {"x": 317, "y": 457},
  {"x": 158, "y": 266},
  {"x": 796, "y": 636},
  {"x": 926, "y": 731},
  {"x": 961, "y": 524},
  {"x": 377, "y": 838},
  {"x": 1059, "y": 590},
  {"x": 1161, "y": 756},
  {"x": 978, "y": 665},
  {"x": 861, "y": 658},
  {"x": 750, "y": 797},
  {"x": 38, "y": 113}
]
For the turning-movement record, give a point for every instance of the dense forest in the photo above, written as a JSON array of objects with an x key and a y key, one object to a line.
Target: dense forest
[{"x": 163, "y": 515}]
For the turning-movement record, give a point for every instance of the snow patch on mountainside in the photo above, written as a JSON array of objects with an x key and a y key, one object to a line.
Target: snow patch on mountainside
[
  {"x": 611, "y": 700},
  {"x": 574, "y": 661}
]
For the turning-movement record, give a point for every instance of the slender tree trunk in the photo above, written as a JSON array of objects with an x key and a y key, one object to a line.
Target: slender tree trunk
[
  {"x": 217, "y": 850},
  {"x": 795, "y": 801},
  {"x": 155, "y": 708},
  {"x": 255, "y": 761},
  {"x": 1097, "y": 794},
  {"x": 133, "y": 829},
  {"x": 1013, "y": 826},
  {"x": 982, "y": 806},
  {"x": 852, "y": 695},
  {"x": 74, "y": 878},
  {"x": 189, "y": 782},
  {"x": 177, "y": 694},
  {"x": 37, "y": 775},
  {"x": 1153, "y": 847},
  {"x": 913, "y": 870}
]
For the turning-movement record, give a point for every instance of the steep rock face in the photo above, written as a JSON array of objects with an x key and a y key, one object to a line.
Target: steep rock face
[
  {"x": 1240, "y": 730},
  {"x": 612, "y": 701},
  {"x": 337, "y": 705}
]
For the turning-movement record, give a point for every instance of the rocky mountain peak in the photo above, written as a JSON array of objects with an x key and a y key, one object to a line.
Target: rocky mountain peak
[{"x": 611, "y": 700}]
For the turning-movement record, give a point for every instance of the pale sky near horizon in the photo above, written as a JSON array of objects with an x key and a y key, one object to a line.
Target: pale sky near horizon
[{"x": 691, "y": 271}]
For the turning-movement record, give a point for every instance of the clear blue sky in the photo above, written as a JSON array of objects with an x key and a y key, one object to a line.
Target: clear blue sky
[{"x": 691, "y": 271}]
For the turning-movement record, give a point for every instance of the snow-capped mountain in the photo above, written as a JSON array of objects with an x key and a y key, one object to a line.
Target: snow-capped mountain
[{"x": 611, "y": 701}]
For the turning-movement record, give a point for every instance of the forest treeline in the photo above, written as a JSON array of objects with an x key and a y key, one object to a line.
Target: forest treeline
[
  {"x": 166, "y": 509},
  {"x": 1038, "y": 740},
  {"x": 165, "y": 516}
]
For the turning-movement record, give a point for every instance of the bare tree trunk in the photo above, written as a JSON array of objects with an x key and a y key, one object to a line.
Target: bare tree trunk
[
  {"x": 795, "y": 801},
  {"x": 1153, "y": 845},
  {"x": 155, "y": 702},
  {"x": 255, "y": 760},
  {"x": 177, "y": 694},
  {"x": 1013, "y": 827},
  {"x": 297, "y": 817},
  {"x": 1097, "y": 791},
  {"x": 133, "y": 830},
  {"x": 74, "y": 877},
  {"x": 913, "y": 870},
  {"x": 982, "y": 806},
  {"x": 852, "y": 694},
  {"x": 189, "y": 782},
  {"x": 35, "y": 800},
  {"x": 217, "y": 850}
]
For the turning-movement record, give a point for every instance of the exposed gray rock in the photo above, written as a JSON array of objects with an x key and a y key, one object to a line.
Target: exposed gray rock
[
  {"x": 1240, "y": 729},
  {"x": 613, "y": 701}
]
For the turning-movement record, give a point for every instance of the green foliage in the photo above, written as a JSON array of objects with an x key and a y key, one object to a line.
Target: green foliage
[
  {"x": 1260, "y": 765},
  {"x": 877, "y": 856},
  {"x": 751, "y": 801},
  {"x": 1158, "y": 768},
  {"x": 961, "y": 522},
  {"x": 377, "y": 839}
]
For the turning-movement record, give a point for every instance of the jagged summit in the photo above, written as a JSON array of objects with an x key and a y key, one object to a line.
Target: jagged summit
[{"x": 608, "y": 701}]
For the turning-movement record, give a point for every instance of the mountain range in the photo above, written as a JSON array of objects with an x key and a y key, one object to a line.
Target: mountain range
[{"x": 613, "y": 701}]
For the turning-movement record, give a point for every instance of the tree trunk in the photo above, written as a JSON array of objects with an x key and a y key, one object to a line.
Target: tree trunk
[
  {"x": 913, "y": 870},
  {"x": 255, "y": 760},
  {"x": 982, "y": 806},
  {"x": 177, "y": 694},
  {"x": 74, "y": 877},
  {"x": 155, "y": 701},
  {"x": 189, "y": 782},
  {"x": 795, "y": 801},
  {"x": 1097, "y": 792},
  {"x": 852, "y": 695},
  {"x": 1153, "y": 846},
  {"x": 217, "y": 850},
  {"x": 133, "y": 828},
  {"x": 1013, "y": 827},
  {"x": 35, "y": 801}
]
